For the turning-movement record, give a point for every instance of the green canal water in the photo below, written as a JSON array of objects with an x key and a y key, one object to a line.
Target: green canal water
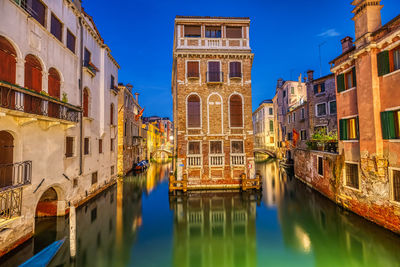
[{"x": 136, "y": 223}]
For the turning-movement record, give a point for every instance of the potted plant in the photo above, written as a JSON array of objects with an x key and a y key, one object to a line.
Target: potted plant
[{"x": 64, "y": 97}]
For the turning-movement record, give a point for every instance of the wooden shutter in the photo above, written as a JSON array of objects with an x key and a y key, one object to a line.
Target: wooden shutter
[
  {"x": 69, "y": 147},
  {"x": 192, "y": 31},
  {"x": 193, "y": 69},
  {"x": 85, "y": 103},
  {"x": 54, "y": 83},
  {"x": 383, "y": 63},
  {"x": 236, "y": 114},
  {"x": 193, "y": 110},
  {"x": 388, "y": 125},
  {"x": 7, "y": 61},
  {"x": 70, "y": 41},
  {"x": 353, "y": 72},
  {"x": 235, "y": 69},
  {"x": 357, "y": 128},
  {"x": 213, "y": 66},
  {"x": 86, "y": 146},
  {"x": 315, "y": 88},
  {"x": 233, "y": 32},
  {"x": 340, "y": 83},
  {"x": 343, "y": 129}
]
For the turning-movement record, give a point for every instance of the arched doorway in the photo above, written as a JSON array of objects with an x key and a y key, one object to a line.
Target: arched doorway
[
  {"x": 47, "y": 205},
  {"x": 6, "y": 158},
  {"x": 54, "y": 91}
]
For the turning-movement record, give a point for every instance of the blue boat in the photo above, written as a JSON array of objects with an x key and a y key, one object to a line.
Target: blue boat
[{"x": 44, "y": 257}]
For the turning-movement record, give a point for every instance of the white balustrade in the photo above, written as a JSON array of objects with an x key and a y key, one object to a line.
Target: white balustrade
[
  {"x": 238, "y": 159},
  {"x": 193, "y": 161},
  {"x": 216, "y": 160}
]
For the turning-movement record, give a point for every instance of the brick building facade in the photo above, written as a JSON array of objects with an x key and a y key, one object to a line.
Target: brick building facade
[{"x": 211, "y": 88}]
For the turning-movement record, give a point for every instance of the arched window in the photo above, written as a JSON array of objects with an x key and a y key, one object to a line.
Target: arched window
[
  {"x": 54, "y": 91},
  {"x": 33, "y": 73},
  {"x": 235, "y": 110},
  {"x": 112, "y": 114},
  {"x": 7, "y": 61},
  {"x": 85, "y": 102},
  {"x": 193, "y": 112}
]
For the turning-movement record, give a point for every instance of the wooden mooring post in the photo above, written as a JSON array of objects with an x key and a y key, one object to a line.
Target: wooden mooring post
[
  {"x": 251, "y": 183},
  {"x": 175, "y": 185}
]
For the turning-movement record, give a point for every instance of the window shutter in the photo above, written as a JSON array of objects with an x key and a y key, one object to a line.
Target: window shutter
[
  {"x": 354, "y": 77},
  {"x": 233, "y": 32},
  {"x": 193, "y": 69},
  {"x": 343, "y": 129},
  {"x": 388, "y": 125},
  {"x": 357, "y": 128},
  {"x": 322, "y": 87},
  {"x": 383, "y": 63},
  {"x": 340, "y": 83},
  {"x": 236, "y": 111},
  {"x": 316, "y": 89},
  {"x": 193, "y": 115}
]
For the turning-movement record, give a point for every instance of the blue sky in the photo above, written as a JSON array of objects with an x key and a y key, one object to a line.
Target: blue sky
[{"x": 284, "y": 37}]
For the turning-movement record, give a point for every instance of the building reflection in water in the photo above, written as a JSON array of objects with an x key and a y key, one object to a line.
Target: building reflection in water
[
  {"x": 214, "y": 229},
  {"x": 313, "y": 225}
]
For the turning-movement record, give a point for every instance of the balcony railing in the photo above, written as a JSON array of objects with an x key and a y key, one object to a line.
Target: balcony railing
[
  {"x": 10, "y": 203},
  {"x": 215, "y": 77},
  {"x": 18, "y": 98},
  {"x": 331, "y": 146},
  {"x": 212, "y": 43},
  {"x": 193, "y": 75},
  {"x": 235, "y": 75},
  {"x": 216, "y": 160},
  {"x": 238, "y": 159},
  {"x": 194, "y": 161},
  {"x": 90, "y": 67},
  {"x": 15, "y": 174}
]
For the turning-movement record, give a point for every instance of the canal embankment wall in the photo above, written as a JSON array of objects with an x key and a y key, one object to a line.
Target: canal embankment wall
[{"x": 371, "y": 201}]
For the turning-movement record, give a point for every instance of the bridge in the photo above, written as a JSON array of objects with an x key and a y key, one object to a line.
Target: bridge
[
  {"x": 162, "y": 153},
  {"x": 265, "y": 150}
]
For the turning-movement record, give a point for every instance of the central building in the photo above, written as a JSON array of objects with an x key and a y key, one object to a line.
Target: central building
[{"x": 211, "y": 89}]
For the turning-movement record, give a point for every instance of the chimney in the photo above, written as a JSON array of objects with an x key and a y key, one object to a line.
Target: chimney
[
  {"x": 279, "y": 83},
  {"x": 347, "y": 44},
  {"x": 137, "y": 97},
  {"x": 310, "y": 75},
  {"x": 367, "y": 16}
]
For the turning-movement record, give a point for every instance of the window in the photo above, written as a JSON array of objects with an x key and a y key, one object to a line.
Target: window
[
  {"x": 8, "y": 59},
  {"x": 235, "y": 69},
  {"x": 233, "y": 32},
  {"x": 237, "y": 147},
  {"x": 213, "y": 32},
  {"x": 284, "y": 93},
  {"x": 112, "y": 170},
  {"x": 193, "y": 112},
  {"x": 112, "y": 115},
  {"x": 87, "y": 57},
  {"x": 235, "y": 109},
  {"x": 303, "y": 135},
  {"x": 290, "y": 136},
  {"x": 390, "y": 123},
  {"x": 33, "y": 75},
  {"x": 94, "y": 178},
  {"x": 294, "y": 116},
  {"x": 215, "y": 147},
  {"x": 320, "y": 166},
  {"x": 319, "y": 88},
  {"x": 112, "y": 140},
  {"x": 320, "y": 109},
  {"x": 194, "y": 148},
  {"x": 71, "y": 41},
  {"x": 349, "y": 129},
  {"x": 100, "y": 146},
  {"x": 86, "y": 146},
  {"x": 85, "y": 102},
  {"x": 192, "y": 31},
  {"x": 56, "y": 27},
  {"x": 292, "y": 90},
  {"x": 112, "y": 82},
  {"x": 271, "y": 112},
  {"x": 271, "y": 139},
  {"x": 214, "y": 72},
  {"x": 37, "y": 10},
  {"x": 271, "y": 125},
  {"x": 289, "y": 118},
  {"x": 388, "y": 61},
  {"x": 332, "y": 107},
  {"x": 125, "y": 128},
  {"x": 302, "y": 113},
  {"x": 396, "y": 185},
  {"x": 352, "y": 175},
  {"x": 346, "y": 80},
  {"x": 193, "y": 70},
  {"x": 69, "y": 147}
]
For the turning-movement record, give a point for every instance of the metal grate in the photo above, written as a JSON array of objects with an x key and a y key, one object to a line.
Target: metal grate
[
  {"x": 352, "y": 175},
  {"x": 396, "y": 185}
]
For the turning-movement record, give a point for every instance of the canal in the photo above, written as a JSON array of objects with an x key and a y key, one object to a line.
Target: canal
[{"x": 136, "y": 223}]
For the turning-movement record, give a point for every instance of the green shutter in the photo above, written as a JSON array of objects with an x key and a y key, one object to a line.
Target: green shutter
[
  {"x": 354, "y": 77},
  {"x": 383, "y": 63},
  {"x": 343, "y": 129},
  {"x": 388, "y": 125},
  {"x": 357, "y": 128},
  {"x": 340, "y": 83},
  {"x": 322, "y": 87}
]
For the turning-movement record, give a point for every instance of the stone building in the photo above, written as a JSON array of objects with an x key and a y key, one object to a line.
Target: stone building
[
  {"x": 365, "y": 176},
  {"x": 291, "y": 113},
  {"x": 211, "y": 88},
  {"x": 160, "y": 144},
  {"x": 58, "y": 135},
  {"x": 130, "y": 141},
  {"x": 263, "y": 125},
  {"x": 321, "y": 99}
]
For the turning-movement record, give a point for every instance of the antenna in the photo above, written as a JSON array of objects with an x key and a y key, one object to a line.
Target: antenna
[{"x": 320, "y": 59}]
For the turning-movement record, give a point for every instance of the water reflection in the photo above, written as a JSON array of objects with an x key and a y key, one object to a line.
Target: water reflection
[{"x": 214, "y": 229}]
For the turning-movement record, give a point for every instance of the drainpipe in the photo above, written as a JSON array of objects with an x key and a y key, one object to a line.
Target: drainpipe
[{"x": 81, "y": 99}]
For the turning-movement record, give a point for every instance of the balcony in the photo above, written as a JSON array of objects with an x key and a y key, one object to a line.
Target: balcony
[
  {"x": 212, "y": 43},
  {"x": 216, "y": 160},
  {"x": 235, "y": 75},
  {"x": 90, "y": 68},
  {"x": 194, "y": 161},
  {"x": 331, "y": 146},
  {"x": 215, "y": 77},
  {"x": 12, "y": 178},
  {"x": 20, "y": 102},
  {"x": 238, "y": 159}
]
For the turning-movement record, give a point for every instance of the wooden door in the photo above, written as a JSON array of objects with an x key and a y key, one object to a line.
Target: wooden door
[{"x": 6, "y": 158}]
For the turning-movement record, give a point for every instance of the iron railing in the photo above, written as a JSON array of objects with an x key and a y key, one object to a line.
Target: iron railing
[
  {"x": 215, "y": 77},
  {"x": 331, "y": 146},
  {"x": 15, "y": 174},
  {"x": 193, "y": 75},
  {"x": 235, "y": 75},
  {"x": 10, "y": 203},
  {"x": 17, "y": 98}
]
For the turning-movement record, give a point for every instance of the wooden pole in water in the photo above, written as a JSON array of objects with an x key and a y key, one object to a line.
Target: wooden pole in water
[{"x": 72, "y": 231}]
